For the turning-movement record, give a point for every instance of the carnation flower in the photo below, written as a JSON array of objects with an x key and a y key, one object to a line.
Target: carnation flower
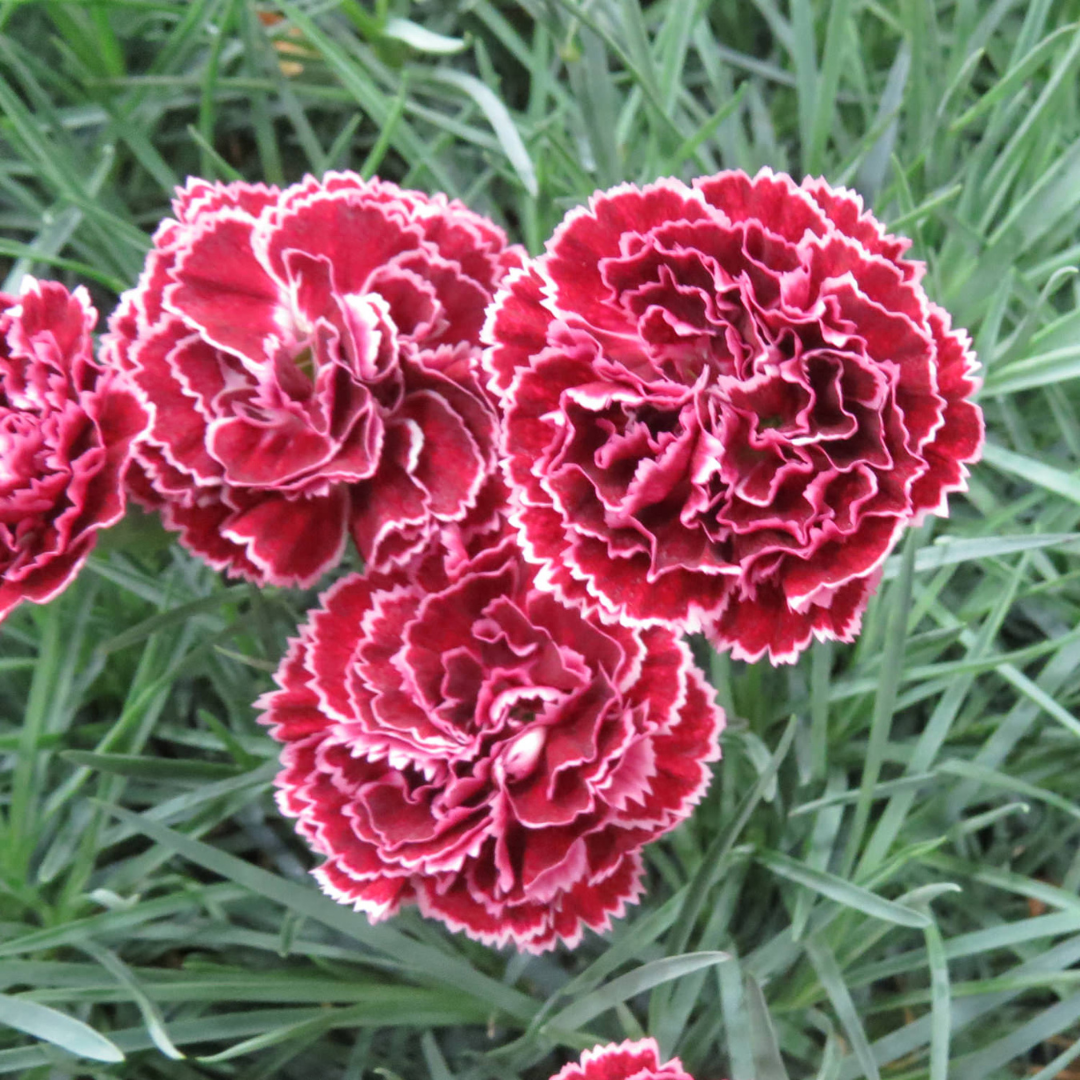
[
  {"x": 724, "y": 403},
  {"x": 623, "y": 1061},
  {"x": 307, "y": 360},
  {"x": 66, "y": 428},
  {"x": 457, "y": 738}
]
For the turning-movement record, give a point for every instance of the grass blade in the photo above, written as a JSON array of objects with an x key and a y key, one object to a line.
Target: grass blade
[
  {"x": 842, "y": 891},
  {"x": 1036, "y": 472},
  {"x": 586, "y": 1008},
  {"x": 423, "y": 959},
  {"x": 832, "y": 979},
  {"x": 57, "y": 1028},
  {"x": 498, "y": 116}
]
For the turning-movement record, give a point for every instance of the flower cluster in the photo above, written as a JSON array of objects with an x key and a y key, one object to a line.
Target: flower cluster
[
  {"x": 707, "y": 407},
  {"x": 456, "y": 737},
  {"x": 66, "y": 428},
  {"x": 723, "y": 405},
  {"x": 623, "y": 1061},
  {"x": 307, "y": 358}
]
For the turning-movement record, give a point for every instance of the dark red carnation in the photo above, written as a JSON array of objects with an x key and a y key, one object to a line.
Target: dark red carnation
[
  {"x": 307, "y": 357},
  {"x": 66, "y": 428},
  {"x": 724, "y": 403},
  {"x": 624, "y": 1061},
  {"x": 457, "y": 738}
]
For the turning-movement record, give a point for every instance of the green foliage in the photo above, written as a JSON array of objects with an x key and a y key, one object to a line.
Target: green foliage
[{"x": 883, "y": 879}]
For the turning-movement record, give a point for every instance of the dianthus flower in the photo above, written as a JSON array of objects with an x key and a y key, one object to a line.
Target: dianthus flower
[
  {"x": 457, "y": 738},
  {"x": 66, "y": 429},
  {"x": 724, "y": 403},
  {"x": 307, "y": 358},
  {"x": 623, "y": 1061}
]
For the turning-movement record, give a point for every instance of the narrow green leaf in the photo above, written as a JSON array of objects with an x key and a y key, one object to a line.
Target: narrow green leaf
[
  {"x": 674, "y": 44},
  {"x": 949, "y": 551},
  {"x": 831, "y": 1058},
  {"x": 924, "y": 209},
  {"x": 842, "y": 891},
  {"x": 1059, "y": 1067},
  {"x": 421, "y": 39},
  {"x": 408, "y": 1013},
  {"x": 1011, "y": 81},
  {"x": 1009, "y": 156},
  {"x": 820, "y": 678},
  {"x": 690, "y": 145},
  {"x": 1001, "y": 1053},
  {"x": 832, "y": 979},
  {"x": 732, "y": 1001},
  {"x": 57, "y": 1028},
  {"x": 644, "y": 77},
  {"x": 32, "y": 253},
  {"x": 16, "y": 664},
  {"x": 645, "y": 931},
  {"x": 208, "y": 105},
  {"x": 210, "y": 157},
  {"x": 768, "y": 1064},
  {"x": 152, "y": 768},
  {"x": 892, "y": 665},
  {"x": 940, "y": 1004},
  {"x": 578, "y": 1014},
  {"x": 836, "y": 39},
  {"x": 337, "y": 156},
  {"x": 970, "y": 770},
  {"x": 874, "y": 162},
  {"x": 637, "y": 39},
  {"x": 436, "y": 1063},
  {"x": 498, "y": 116},
  {"x": 173, "y": 617},
  {"x": 432, "y": 963},
  {"x": 42, "y": 689},
  {"x": 1043, "y": 369},
  {"x": 881, "y": 791},
  {"x": 724, "y": 842},
  {"x": 360, "y": 85},
  {"x": 1036, "y": 472},
  {"x": 1045, "y": 204},
  {"x": 804, "y": 59},
  {"x": 381, "y": 145},
  {"x": 155, "y": 1023}
]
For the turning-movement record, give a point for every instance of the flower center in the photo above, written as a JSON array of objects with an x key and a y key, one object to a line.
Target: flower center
[
  {"x": 522, "y": 754},
  {"x": 305, "y": 362}
]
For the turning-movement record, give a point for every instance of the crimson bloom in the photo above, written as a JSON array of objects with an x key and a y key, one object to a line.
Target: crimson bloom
[
  {"x": 307, "y": 360},
  {"x": 66, "y": 428},
  {"x": 458, "y": 738},
  {"x": 624, "y": 1061},
  {"x": 724, "y": 403}
]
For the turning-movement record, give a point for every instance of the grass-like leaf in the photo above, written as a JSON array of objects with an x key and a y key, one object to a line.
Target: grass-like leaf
[{"x": 57, "y": 1028}]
